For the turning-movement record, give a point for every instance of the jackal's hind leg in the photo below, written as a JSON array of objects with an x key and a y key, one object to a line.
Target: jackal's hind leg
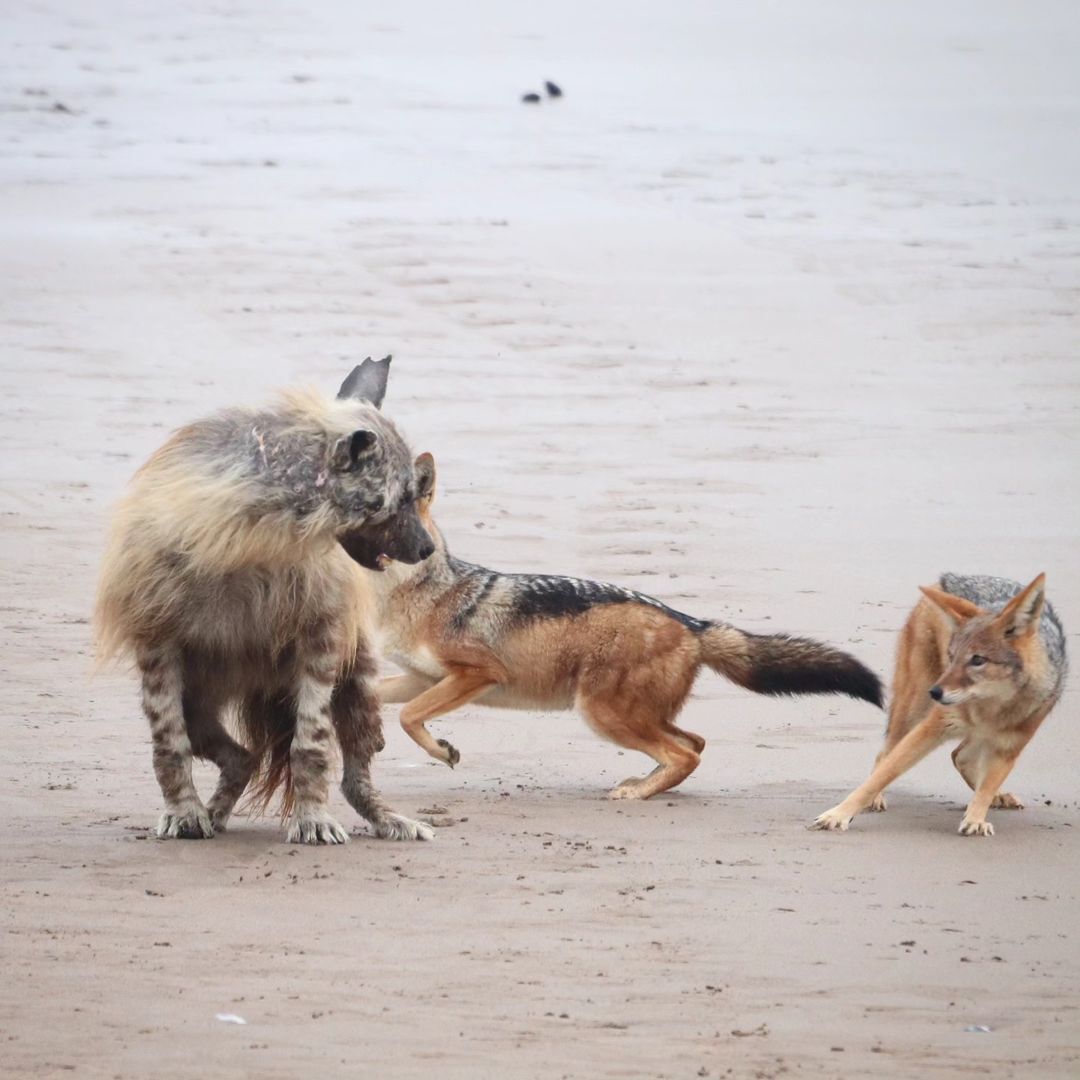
[
  {"x": 185, "y": 816},
  {"x": 880, "y": 803},
  {"x": 635, "y": 727},
  {"x": 355, "y": 713},
  {"x": 968, "y": 767}
]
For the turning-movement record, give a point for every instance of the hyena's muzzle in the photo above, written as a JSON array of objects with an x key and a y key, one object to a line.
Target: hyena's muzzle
[{"x": 400, "y": 538}]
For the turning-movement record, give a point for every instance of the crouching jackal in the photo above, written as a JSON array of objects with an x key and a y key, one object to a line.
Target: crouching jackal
[
  {"x": 464, "y": 633},
  {"x": 230, "y": 579},
  {"x": 982, "y": 660}
]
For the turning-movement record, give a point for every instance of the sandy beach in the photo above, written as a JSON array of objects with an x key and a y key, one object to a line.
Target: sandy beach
[{"x": 772, "y": 315}]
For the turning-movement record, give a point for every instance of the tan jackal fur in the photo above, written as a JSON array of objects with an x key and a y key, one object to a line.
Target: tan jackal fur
[{"x": 981, "y": 660}]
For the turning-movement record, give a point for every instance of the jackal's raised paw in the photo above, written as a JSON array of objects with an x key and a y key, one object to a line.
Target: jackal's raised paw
[
  {"x": 1004, "y": 801},
  {"x": 397, "y": 827},
  {"x": 450, "y": 752},
  {"x": 315, "y": 827},
  {"x": 836, "y": 819},
  {"x": 969, "y": 827},
  {"x": 190, "y": 821}
]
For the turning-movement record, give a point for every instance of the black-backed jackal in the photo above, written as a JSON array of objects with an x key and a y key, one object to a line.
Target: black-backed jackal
[
  {"x": 627, "y": 661},
  {"x": 982, "y": 660}
]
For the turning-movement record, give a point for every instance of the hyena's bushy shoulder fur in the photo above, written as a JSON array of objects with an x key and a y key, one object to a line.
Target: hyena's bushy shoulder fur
[{"x": 230, "y": 527}]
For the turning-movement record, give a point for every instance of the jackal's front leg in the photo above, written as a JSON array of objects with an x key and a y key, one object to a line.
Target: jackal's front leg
[
  {"x": 359, "y": 729},
  {"x": 458, "y": 688},
  {"x": 185, "y": 817},
  {"x": 913, "y": 747},
  {"x": 398, "y": 689}
]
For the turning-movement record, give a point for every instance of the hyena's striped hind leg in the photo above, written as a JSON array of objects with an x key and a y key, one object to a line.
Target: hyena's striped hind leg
[
  {"x": 355, "y": 713},
  {"x": 211, "y": 741},
  {"x": 185, "y": 816}
]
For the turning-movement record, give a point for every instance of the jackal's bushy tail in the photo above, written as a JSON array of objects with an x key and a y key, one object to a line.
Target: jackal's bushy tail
[{"x": 778, "y": 664}]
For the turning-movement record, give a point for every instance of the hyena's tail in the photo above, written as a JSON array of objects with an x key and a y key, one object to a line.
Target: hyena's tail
[
  {"x": 268, "y": 725},
  {"x": 778, "y": 664}
]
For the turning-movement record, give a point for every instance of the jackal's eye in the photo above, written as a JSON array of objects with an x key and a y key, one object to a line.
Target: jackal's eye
[{"x": 977, "y": 660}]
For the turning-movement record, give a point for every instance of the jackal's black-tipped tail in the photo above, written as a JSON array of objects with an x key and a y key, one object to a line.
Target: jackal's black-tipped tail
[{"x": 778, "y": 664}]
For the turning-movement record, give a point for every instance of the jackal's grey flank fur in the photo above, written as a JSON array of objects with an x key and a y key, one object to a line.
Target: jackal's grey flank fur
[{"x": 225, "y": 581}]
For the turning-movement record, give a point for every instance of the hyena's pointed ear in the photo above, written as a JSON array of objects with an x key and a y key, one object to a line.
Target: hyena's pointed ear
[
  {"x": 425, "y": 476},
  {"x": 367, "y": 382},
  {"x": 955, "y": 608},
  {"x": 1022, "y": 613},
  {"x": 349, "y": 450}
]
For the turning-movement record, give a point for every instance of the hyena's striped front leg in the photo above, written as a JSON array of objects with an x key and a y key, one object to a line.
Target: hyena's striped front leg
[
  {"x": 162, "y": 699},
  {"x": 309, "y": 757},
  {"x": 359, "y": 732}
]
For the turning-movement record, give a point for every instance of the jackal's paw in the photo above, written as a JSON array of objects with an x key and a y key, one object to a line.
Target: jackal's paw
[
  {"x": 449, "y": 753},
  {"x": 970, "y": 827},
  {"x": 628, "y": 789},
  {"x": 879, "y": 805},
  {"x": 1004, "y": 801},
  {"x": 188, "y": 821},
  {"x": 314, "y": 827},
  {"x": 837, "y": 818},
  {"x": 396, "y": 827}
]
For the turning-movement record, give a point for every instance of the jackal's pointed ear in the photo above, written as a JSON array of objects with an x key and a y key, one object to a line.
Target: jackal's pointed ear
[
  {"x": 1021, "y": 614},
  {"x": 955, "y": 608},
  {"x": 367, "y": 382},
  {"x": 346, "y": 453},
  {"x": 425, "y": 476}
]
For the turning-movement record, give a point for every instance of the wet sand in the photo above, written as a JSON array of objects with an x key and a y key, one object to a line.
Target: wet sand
[{"x": 773, "y": 315}]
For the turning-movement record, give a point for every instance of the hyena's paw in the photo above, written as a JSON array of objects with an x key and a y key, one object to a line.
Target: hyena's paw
[
  {"x": 189, "y": 821},
  {"x": 219, "y": 816},
  {"x": 449, "y": 752},
  {"x": 628, "y": 789},
  {"x": 835, "y": 819},
  {"x": 397, "y": 827},
  {"x": 1004, "y": 801},
  {"x": 315, "y": 827},
  {"x": 970, "y": 827},
  {"x": 879, "y": 805}
]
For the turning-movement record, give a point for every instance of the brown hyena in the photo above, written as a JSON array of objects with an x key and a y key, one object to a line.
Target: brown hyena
[{"x": 232, "y": 579}]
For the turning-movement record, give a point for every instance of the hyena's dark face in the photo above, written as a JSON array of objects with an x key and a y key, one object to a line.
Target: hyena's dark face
[
  {"x": 401, "y": 538},
  {"x": 372, "y": 482}
]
